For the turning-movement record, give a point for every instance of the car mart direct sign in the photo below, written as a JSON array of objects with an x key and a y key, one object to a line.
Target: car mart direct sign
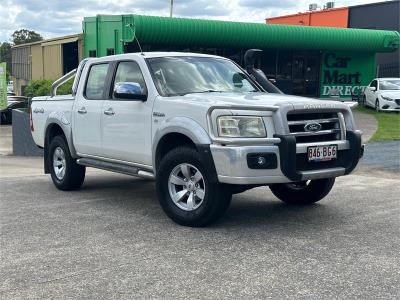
[{"x": 344, "y": 74}]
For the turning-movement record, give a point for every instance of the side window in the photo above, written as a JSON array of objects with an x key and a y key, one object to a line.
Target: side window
[
  {"x": 374, "y": 83},
  {"x": 96, "y": 81},
  {"x": 129, "y": 71}
]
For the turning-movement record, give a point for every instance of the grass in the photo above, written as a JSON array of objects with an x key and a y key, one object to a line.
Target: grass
[{"x": 388, "y": 124}]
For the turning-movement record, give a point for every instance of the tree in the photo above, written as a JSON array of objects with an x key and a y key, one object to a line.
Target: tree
[
  {"x": 23, "y": 36},
  {"x": 5, "y": 55}
]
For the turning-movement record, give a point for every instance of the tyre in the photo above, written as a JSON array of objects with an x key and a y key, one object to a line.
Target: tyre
[
  {"x": 65, "y": 172},
  {"x": 188, "y": 192},
  {"x": 377, "y": 108},
  {"x": 303, "y": 192}
]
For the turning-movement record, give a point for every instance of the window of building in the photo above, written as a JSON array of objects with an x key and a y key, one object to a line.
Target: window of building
[
  {"x": 284, "y": 68},
  {"x": 92, "y": 53},
  {"x": 110, "y": 51}
]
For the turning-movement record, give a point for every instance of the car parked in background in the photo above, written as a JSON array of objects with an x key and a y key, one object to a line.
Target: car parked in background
[
  {"x": 383, "y": 94},
  {"x": 13, "y": 102}
]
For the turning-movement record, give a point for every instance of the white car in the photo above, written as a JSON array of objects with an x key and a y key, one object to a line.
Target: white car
[
  {"x": 383, "y": 94},
  {"x": 199, "y": 125}
]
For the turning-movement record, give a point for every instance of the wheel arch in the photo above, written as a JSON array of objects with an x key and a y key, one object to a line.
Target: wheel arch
[
  {"x": 53, "y": 128},
  {"x": 177, "y": 132}
]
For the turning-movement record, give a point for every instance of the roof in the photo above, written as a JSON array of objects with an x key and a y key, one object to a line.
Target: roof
[
  {"x": 56, "y": 40},
  {"x": 321, "y": 11}
]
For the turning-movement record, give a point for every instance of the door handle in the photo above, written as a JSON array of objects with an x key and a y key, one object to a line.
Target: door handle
[
  {"x": 109, "y": 112},
  {"x": 82, "y": 110}
]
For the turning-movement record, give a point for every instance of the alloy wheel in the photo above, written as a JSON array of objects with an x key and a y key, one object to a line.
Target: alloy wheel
[
  {"x": 59, "y": 163},
  {"x": 186, "y": 187}
]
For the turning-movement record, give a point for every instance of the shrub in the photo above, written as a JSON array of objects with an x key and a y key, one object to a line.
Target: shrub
[{"x": 43, "y": 88}]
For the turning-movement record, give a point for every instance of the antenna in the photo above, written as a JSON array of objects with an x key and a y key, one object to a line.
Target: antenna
[
  {"x": 132, "y": 27},
  {"x": 171, "y": 7}
]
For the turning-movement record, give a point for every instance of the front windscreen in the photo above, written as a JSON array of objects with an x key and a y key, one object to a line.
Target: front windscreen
[
  {"x": 390, "y": 84},
  {"x": 185, "y": 75}
]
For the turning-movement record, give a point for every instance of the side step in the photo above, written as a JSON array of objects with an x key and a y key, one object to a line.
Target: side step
[{"x": 115, "y": 167}]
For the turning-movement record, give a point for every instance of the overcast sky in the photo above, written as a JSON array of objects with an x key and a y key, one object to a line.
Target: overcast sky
[{"x": 53, "y": 18}]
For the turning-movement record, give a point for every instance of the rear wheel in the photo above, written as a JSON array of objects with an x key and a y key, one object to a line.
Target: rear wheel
[
  {"x": 187, "y": 191},
  {"x": 303, "y": 192},
  {"x": 65, "y": 172}
]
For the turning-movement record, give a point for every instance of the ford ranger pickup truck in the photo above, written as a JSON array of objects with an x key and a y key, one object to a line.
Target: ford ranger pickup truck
[{"x": 199, "y": 125}]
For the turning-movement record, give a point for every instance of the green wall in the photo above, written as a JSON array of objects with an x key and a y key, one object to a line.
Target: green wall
[{"x": 346, "y": 72}]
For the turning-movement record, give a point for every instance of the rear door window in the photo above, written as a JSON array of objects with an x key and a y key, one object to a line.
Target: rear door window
[{"x": 96, "y": 82}]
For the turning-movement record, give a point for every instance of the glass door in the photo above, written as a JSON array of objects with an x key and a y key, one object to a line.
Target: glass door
[{"x": 306, "y": 74}]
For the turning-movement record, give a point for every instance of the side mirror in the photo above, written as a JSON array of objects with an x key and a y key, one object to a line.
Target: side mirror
[
  {"x": 130, "y": 91},
  {"x": 372, "y": 88}
]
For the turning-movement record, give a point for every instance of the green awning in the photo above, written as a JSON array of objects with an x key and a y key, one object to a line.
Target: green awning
[{"x": 211, "y": 33}]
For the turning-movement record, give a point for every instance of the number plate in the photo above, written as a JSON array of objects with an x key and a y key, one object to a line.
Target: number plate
[{"x": 322, "y": 153}]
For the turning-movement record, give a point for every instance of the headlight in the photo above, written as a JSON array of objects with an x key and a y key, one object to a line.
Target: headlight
[
  {"x": 241, "y": 127},
  {"x": 387, "y": 98}
]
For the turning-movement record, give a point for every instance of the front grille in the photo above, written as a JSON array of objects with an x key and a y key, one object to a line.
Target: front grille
[{"x": 329, "y": 122}]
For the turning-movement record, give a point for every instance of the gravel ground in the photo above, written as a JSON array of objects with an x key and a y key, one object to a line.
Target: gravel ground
[
  {"x": 382, "y": 156},
  {"x": 112, "y": 240}
]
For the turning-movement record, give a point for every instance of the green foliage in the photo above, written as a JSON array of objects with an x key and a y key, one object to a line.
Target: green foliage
[
  {"x": 24, "y": 36},
  {"x": 43, "y": 88},
  {"x": 5, "y": 55}
]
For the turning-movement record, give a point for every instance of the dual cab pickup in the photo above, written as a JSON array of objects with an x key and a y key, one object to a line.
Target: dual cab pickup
[{"x": 199, "y": 125}]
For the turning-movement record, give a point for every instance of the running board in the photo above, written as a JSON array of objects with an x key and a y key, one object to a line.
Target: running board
[{"x": 115, "y": 167}]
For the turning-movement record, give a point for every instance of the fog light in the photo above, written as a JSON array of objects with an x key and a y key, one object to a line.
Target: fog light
[{"x": 262, "y": 161}]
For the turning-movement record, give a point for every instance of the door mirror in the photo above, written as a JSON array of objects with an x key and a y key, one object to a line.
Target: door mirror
[
  {"x": 372, "y": 88},
  {"x": 130, "y": 91}
]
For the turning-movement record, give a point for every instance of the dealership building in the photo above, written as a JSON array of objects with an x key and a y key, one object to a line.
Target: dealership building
[
  {"x": 380, "y": 15},
  {"x": 302, "y": 60}
]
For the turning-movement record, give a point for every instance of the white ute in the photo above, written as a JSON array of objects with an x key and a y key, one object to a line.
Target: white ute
[{"x": 200, "y": 125}]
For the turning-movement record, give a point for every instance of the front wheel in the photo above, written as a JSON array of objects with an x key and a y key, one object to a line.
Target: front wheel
[
  {"x": 303, "y": 192},
  {"x": 187, "y": 191},
  {"x": 377, "y": 107}
]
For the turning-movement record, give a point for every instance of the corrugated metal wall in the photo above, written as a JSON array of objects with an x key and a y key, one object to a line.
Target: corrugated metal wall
[
  {"x": 53, "y": 62},
  {"x": 37, "y": 61},
  {"x": 21, "y": 62}
]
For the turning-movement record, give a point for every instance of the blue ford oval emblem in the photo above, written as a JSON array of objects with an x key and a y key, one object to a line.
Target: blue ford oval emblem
[{"x": 312, "y": 127}]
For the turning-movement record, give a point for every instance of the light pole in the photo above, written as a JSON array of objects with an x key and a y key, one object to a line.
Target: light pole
[{"x": 171, "y": 6}]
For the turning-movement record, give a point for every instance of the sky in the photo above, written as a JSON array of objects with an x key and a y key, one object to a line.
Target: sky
[{"x": 53, "y": 18}]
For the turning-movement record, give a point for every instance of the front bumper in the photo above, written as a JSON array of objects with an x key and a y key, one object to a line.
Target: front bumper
[
  {"x": 389, "y": 105},
  {"x": 232, "y": 162}
]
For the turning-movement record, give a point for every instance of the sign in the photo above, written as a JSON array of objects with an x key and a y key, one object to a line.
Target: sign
[
  {"x": 346, "y": 74},
  {"x": 3, "y": 86}
]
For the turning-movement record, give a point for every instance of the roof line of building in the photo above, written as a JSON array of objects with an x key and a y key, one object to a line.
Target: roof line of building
[
  {"x": 76, "y": 35},
  {"x": 308, "y": 12}
]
